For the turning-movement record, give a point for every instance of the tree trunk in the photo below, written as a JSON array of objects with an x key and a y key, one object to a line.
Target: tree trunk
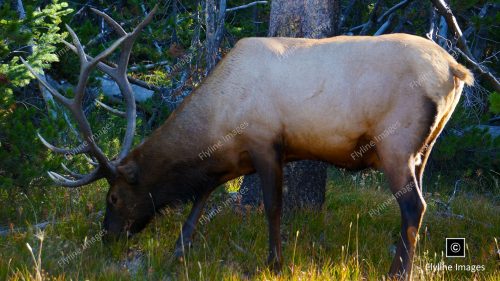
[
  {"x": 304, "y": 181},
  {"x": 214, "y": 23},
  {"x": 309, "y": 18}
]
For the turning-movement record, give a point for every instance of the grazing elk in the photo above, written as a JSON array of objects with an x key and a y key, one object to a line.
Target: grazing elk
[{"x": 299, "y": 99}]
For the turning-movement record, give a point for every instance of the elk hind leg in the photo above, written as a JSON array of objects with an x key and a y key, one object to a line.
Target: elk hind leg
[{"x": 398, "y": 163}]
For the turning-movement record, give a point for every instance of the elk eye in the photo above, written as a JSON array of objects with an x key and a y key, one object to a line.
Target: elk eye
[{"x": 113, "y": 199}]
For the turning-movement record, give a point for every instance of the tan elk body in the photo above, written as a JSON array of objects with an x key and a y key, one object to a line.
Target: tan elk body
[
  {"x": 323, "y": 98},
  {"x": 355, "y": 102}
]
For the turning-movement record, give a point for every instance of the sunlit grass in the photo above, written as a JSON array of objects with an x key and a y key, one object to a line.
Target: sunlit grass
[{"x": 343, "y": 242}]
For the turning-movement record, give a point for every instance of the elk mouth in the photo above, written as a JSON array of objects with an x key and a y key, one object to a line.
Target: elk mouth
[
  {"x": 117, "y": 229},
  {"x": 136, "y": 226}
]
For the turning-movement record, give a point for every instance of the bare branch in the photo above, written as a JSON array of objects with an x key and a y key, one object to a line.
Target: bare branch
[
  {"x": 384, "y": 27},
  {"x": 159, "y": 50},
  {"x": 463, "y": 49},
  {"x": 482, "y": 69},
  {"x": 446, "y": 12},
  {"x": 357, "y": 27},
  {"x": 372, "y": 19},
  {"x": 441, "y": 35},
  {"x": 394, "y": 8},
  {"x": 108, "y": 68},
  {"x": 346, "y": 13},
  {"x": 432, "y": 23},
  {"x": 20, "y": 9},
  {"x": 245, "y": 6}
]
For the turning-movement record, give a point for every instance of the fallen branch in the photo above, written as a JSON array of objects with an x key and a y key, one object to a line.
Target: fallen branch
[
  {"x": 245, "y": 6},
  {"x": 4, "y": 231},
  {"x": 357, "y": 27},
  {"x": 495, "y": 119},
  {"x": 148, "y": 66},
  {"x": 135, "y": 80},
  {"x": 144, "y": 84}
]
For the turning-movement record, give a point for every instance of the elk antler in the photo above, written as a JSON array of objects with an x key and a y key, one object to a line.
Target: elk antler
[{"x": 104, "y": 167}]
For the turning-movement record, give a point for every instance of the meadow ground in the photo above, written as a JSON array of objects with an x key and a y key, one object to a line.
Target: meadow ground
[{"x": 342, "y": 242}]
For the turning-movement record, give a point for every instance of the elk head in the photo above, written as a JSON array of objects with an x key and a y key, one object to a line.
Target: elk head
[{"x": 124, "y": 193}]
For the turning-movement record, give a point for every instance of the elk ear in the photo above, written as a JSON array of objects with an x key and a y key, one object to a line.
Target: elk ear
[{"x": 129, "y": 171}]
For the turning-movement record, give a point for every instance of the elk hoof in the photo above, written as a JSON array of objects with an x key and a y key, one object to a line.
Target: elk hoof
[
  {"x": 274, "y": 263},
  {"x": 180, "y": 250},
  {"x": 179, "y": 254},
  {"x": 398, "y": 276}
]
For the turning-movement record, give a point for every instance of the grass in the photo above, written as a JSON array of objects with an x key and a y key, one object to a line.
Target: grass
[{"x": 343, "y": 242}]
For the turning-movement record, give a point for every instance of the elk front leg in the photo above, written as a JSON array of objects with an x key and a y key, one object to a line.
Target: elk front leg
[
  {"x": 269, "y": 167},
  {"x": 185, "y": 239}
]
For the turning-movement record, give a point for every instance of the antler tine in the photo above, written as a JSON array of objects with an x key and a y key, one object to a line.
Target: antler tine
[
  {"x": 63, "y": 181},
  {"x": 71, "y": 173},
  {"x": 102, "y": 66},
  {"x": 125, "y": 87},
  {"x": 88, "y": 136},
  {"x": 127, "y": 46},
  {"x": 130, "y": 112},
  {"x": 78, "y": 45},
  {"x": 60, "y": 98},
  {"x": 86, "y": 66},
  {"x": 110, "y": 109},
  {"x": 77, "y": 102},
  {"x": 108, "y": 51},
  {"x": 85, "y": 127},
  {"x": 84, "y": 70},
  {"x": 119, "y": 74},
  {"x": 90, "y": 160},
  {"x": 104, "y": 167},
  {"x": 62, "y": 150},
  {"x": 146, "y": 20},
  {"x": 116, "y": 26}
]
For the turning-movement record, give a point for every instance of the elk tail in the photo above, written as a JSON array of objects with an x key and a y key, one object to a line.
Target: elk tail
[{"x": 462, "y": 73}]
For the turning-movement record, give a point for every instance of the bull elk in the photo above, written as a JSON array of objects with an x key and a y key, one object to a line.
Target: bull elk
[{"x": 300, "y": 99}]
